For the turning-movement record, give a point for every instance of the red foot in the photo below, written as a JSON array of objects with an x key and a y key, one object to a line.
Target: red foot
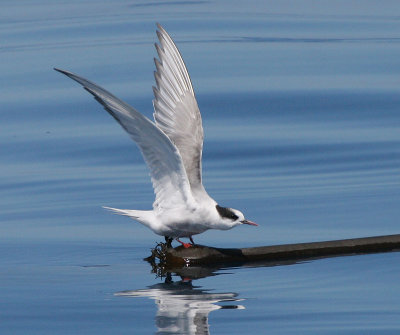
[{"x": 185, "y": 245}]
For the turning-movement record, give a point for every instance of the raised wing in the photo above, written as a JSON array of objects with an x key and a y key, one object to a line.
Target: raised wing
[
  {"x": 175, "y": 108},
  {"x": 170, "y": 182}
]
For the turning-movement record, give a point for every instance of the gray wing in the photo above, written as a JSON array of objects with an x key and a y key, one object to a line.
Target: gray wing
[
  {"x": 170, "y": 182},
  {"x": 175, "y": 108}
]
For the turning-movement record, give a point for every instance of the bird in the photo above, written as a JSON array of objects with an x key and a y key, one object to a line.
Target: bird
[{"x": 171, "y": 146}]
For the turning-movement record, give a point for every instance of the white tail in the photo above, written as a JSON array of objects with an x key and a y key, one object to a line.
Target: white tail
[
  {"x": 127, "y": 212},
  {"x": 144, "y": 217}
]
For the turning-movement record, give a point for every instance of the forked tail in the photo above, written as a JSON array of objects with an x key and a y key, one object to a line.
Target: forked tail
[
  {"x": 127, "y": 212},
  {"x": 144, "y": 217}
]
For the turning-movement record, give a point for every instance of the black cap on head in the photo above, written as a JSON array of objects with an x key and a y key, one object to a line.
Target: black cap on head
[{"x": 226, "y": 213}]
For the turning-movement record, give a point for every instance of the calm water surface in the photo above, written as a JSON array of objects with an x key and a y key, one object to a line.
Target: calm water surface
[{"x": 300, "y": 103}]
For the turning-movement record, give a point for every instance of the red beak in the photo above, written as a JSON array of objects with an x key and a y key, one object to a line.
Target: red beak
[{"x": 251, "y": 223}]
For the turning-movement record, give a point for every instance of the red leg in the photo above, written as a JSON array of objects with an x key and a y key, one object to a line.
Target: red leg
[{"x": 185, "y": 245}]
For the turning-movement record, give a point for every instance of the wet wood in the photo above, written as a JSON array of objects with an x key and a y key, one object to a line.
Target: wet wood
[{"x": 209, "y": 256}]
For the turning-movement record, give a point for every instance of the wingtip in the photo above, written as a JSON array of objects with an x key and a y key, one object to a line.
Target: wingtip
[
  {"x": 67, "y": 73},
  {"x": 159, "y": 47},
  {"x": 58, "y": 70},
  {"x": 159, "y": 31},
  {"x": 159, "y": 26},
  {"x": 159, "y": 35}
]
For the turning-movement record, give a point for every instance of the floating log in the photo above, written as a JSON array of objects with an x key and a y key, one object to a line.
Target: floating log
[{"x": 199, "y": 255}]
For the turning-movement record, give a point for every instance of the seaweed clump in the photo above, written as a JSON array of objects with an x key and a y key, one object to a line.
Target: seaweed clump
[{"x": 158, "y": 259}]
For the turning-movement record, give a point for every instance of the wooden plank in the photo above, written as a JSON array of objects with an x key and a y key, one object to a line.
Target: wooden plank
[{"x": 209, "y": 256}]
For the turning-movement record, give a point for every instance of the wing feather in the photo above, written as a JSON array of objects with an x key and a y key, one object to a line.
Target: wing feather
[
  {"x": 176, "y": 111},
  {"x": 168, "y": 175}
]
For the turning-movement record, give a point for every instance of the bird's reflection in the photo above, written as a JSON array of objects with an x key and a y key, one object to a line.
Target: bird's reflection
[{"x": 183, "y": 308}]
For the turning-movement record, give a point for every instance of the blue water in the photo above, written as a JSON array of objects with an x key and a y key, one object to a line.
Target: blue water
[{"x": 301, "y": 111}]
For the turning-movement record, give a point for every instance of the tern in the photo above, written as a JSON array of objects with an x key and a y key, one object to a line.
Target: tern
[{"x": 172, "y": 149}]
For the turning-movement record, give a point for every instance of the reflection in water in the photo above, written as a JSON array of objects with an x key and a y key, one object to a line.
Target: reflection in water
[{"x": 182, "y": 307}]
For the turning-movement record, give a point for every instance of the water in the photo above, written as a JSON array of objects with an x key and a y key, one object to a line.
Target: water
[{"x": 300, "y": 104}]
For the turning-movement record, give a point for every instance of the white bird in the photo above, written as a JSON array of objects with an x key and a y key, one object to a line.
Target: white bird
[{"x": 172, "y": 149}]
